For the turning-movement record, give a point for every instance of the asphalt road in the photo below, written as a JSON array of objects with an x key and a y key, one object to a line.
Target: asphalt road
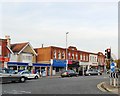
[{"x": 72, "y": 85}]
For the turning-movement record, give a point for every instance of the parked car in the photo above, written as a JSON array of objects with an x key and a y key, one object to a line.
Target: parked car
[
  {"x": 44, "y": 74},
  {"x": 28, "y": 74},
  {"x": 9, "y": 75},
  {"x": 69, "y": 73},
  {"x": 93, "y": 72}
]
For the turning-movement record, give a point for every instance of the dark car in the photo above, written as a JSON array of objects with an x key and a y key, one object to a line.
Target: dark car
[
  {"x": 8, "y": 75},
  {"x": 93, "y": 72},
  {"x": 69, "y": 73}
]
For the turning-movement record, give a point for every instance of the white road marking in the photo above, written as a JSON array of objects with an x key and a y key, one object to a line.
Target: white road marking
[{"x": 16, "y": 92}]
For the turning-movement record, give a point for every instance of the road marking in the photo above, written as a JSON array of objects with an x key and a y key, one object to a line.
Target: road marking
[
  {"x": 100, "y": 88},
  {"x": 16, "y": 92}
]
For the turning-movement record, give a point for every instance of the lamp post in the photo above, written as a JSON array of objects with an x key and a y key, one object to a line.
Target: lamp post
[{"x": 66, "y": 51}]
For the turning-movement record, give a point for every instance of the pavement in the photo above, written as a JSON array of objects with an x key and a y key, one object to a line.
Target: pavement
[{"x": 106, "y": 87}]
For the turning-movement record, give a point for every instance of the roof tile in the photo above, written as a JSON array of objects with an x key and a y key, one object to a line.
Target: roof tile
[{"x": 18, "y": 46}]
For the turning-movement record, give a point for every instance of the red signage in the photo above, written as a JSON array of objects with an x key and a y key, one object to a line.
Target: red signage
[
  {"x": 4, "y": 59},
  {"x": 69, "y": 61}
]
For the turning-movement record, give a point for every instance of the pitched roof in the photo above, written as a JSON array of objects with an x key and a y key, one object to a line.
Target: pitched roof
[{"x": 18, "y": 46}]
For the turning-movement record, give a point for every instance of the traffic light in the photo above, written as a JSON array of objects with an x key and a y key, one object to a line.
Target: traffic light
[{"x": 108, "y": 53}]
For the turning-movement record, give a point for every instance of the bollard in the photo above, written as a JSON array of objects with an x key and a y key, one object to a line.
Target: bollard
[
  {"x": 111, "y": 78},
  {"x": 114, "y": 82},
  {"x": 117, "y": 82},
  {"x": 111, "y": 82}
]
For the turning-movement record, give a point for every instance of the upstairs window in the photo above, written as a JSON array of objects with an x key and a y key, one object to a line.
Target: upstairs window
[
  {"x": 59, "y": 55},
  {"x": 80, "y": 56},
  {"x": 54, "y": 54},
  {"x": 76, "y": 56},
  {"x": 84, "y": 57},
  {"x": 72, "y": 56},
  {"x": 63, "y": 55},
  {"x": 69, "y": 55}
]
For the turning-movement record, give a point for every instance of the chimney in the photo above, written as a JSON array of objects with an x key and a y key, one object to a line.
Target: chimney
[
  {"x": 8, "y": 40},
  {"x": 42, "y": 45}
]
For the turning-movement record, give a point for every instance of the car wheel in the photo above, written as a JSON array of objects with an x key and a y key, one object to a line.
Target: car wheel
[
  {"x": 69, "y": 76},
  {"x": 22, "y": 79},
  {"x": 36, "y": 77},
  {"x": 89, "y": 74},
  {"x": 77, "y": 75}
]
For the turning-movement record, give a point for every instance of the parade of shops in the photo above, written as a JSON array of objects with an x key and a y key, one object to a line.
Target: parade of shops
[{"x": 52, "y": 59}]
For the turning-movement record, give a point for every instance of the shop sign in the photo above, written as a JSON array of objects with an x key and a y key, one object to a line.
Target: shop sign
[
  {"x": 4, "y": 59},
  {"x": 59, "y": 61},
  {"x": 69, "y": 61}
]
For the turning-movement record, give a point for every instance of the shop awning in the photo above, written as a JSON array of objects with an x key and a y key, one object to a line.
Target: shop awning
[
  {"x": 17, "y": 64},
  {"x": 41, "y": 64},
  {"x": 59, "y": 63}
]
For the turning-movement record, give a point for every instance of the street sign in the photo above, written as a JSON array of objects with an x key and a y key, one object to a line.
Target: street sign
[{"x": 112, "y": 67}]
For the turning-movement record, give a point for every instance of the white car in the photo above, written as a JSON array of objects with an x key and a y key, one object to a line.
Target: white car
[
  {"x": 29, "y": 75},
  {"x": 9, "y": 75}
]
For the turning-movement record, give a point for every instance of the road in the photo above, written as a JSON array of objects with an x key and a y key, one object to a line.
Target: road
[{"x": 72, "y": 85}]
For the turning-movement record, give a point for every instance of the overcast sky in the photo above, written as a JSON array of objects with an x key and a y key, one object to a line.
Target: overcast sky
[{"x": 92, "y": 26}]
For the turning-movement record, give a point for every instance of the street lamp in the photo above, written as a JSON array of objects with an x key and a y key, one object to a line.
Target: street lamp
[{"x": 66, "y": 51}]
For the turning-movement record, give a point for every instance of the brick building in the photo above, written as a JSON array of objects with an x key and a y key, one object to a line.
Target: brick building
[
  {"x": 76, "y": 59},
  {"x": 4, "y": 52}
]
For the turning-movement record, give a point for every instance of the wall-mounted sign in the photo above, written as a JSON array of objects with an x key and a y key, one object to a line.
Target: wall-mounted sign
[{"x": 59, "y": 63}]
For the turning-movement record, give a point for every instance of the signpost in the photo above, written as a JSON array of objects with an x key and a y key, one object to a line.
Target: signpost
[
  {"x": 112, "y": 67},
  {"x": 113, "y": 75}
]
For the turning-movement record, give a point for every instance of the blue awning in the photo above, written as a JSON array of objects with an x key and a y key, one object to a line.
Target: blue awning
[
  {"x": 17, "y": 64},
  {"x": 59, "y": 63},
  {"x": 41, "y": 64}
]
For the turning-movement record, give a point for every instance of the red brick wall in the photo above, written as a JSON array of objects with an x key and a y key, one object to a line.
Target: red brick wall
[{"x": 5, "y": 51}]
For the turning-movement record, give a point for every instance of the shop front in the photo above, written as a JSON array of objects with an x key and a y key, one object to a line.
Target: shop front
[
  {"x": 102, "y": 67},
  {"x": 18, "y": 66},
  {"x": 58, "y": 65},
  {"x": 83, "y": 67},
  {"x": 73, "y": 65},
  {"x": 40, "y": 67}
]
